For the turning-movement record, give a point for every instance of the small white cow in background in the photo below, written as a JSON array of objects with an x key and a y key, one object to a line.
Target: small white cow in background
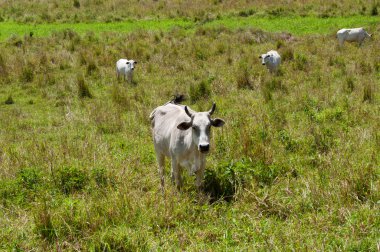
[
  {"x": 182, "y": 135},
  {"x": 126, "y": 68},
  {"x": 272, "y": 60},
  {"x": 352, "y": 35}
]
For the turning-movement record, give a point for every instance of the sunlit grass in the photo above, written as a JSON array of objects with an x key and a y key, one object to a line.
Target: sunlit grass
[{"x": 294, "y": 25}]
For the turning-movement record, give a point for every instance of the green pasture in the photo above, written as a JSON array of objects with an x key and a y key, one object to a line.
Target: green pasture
[{"x": 294, "y": 25}]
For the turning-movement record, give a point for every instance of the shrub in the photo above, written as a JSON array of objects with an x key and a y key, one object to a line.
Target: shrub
[
  {"x": 242, "y": 76},
  {"x": 287, "y": 54},
  {"x": 44, "y": 225},
  {"x": 374, "y": 11},
  {"x": 100, "y": 176},
  {"x": 71, "y": 179},
  {"x": 9, "y": 100},
  {"x": 3, "y": 67},
  {"x": 91, "y": 67},
  {"x": 202, "y": 90},
  {"x": 83, "y": 89},
  {"x": 301, "y": 62},
  {"x": 350, "y": 84},
  {"x": 29, "y": 178},
  {"x": 27, "y": 74},
  {"x": 76, "y": 4},
  {"x": 224, "y": 181},
  {"x": 368, "y": 92}
]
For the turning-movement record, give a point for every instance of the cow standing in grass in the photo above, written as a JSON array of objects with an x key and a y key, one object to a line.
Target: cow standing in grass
[
  {"x": 125, "y": 67},
  {"x": 352, "y": 35},
  {"x": 182, "y": 135},
  {"x": 272, "y": 60}
]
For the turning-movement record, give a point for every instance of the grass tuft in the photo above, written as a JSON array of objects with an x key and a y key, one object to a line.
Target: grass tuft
[{"x": 83, "y": 89}]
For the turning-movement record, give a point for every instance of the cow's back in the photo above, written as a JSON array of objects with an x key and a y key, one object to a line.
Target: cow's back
[{"x": 164, "y": 121}]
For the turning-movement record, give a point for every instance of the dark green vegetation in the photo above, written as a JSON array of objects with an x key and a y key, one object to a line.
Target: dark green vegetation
[{"x": 296, "y": 167}]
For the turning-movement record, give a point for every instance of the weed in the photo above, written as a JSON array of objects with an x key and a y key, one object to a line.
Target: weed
[
  {"x": 242, "y": 76},
  {"x": 71, "y": 179},
  {"x": 301, "y": 62},
  {"x": 350, "y": 84},
  {"x": 374, "y": 11},
  {"x": 202, "y": 90},
  {"x": 91, "y": 68},
  {"x": 100, "y": 176},
  {"x": 83, "y": 89},
  {"x": 287, "y": 54},
  {"x": 27, "y": 74},
  {"x": 368, "y": 92},
  {"x": 76, "y": 4},
  {"x": 44, "y": 225},
  {"x": 9, "y": 100},
  {"x": 29, "y": 178}
]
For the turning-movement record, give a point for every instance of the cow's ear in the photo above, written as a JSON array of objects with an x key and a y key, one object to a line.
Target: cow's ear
[
  {"x": 260, "y": 57},
  {"x": 217, "y": 122},
  {"x": 184, "y": 125},
  {"x": 135, "y": 62}
]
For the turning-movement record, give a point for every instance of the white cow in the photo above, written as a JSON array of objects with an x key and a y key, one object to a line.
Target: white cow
[
  {"x": 272, "y": 60},
  {"x": 182, "y": 135},
  {"x": 352, "y": 35},
  {"x": 125, "y": 67}
]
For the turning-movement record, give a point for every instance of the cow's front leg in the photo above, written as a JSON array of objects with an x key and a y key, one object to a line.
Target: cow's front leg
[{"x": 176, "y": 173}]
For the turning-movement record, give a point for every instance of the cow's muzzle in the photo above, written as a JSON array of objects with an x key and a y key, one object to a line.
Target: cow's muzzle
[
  {"x": 204, "y": 148},
  {"x": 263, "y": 63}
]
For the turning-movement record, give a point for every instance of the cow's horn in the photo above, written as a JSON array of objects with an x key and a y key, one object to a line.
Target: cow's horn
[
  {"x": 212, "y": 109},
  {"x": 188, "y": 112}
]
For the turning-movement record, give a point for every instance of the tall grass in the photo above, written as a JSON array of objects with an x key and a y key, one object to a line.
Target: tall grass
[{"x": 296, "y": 166}]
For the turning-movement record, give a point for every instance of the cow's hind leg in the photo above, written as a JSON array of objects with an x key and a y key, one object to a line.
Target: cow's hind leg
[{"x": 161, "y": 169}]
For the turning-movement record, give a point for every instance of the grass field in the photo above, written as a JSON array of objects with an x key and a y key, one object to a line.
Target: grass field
[
  {"x": 296, "y": 167},
  {"x": 294, "y": 25}
]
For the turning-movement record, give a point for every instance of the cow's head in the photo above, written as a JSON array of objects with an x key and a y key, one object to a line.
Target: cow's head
[
  {"x": 131, "y": 64},
  {"x": 264, "y": 58},
  {"x": 200, "y": 124}
]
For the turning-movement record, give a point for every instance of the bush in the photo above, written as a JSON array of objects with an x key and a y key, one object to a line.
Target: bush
[
  {"x": 368, "y": 92},
  {"x": 100, "y": 176},
  {"x": 76, "y": 4},
  {"x": 71, "y": 179},
  {"x": 228, "y": 177},
  {"x": 83, "y": 89},
  {"x": 374, "y": 11},
  {"x": 301, "y": 62},
  {"x": 27, "y": 74},
  {"x": 29, "y": 178},
  {"x": 9, "y": 100},
  {"x": 287, "y": 54},
  {"x": 91, "y": 68},
  {"x": 3, "y": 67},
  {"x": 242, "y": 76},
  {"x": 44, "y": 225},
  {"x": 201, "y": 90}
]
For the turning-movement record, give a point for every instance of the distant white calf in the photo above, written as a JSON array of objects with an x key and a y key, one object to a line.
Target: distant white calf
[
  {"x": 125, "y": 67},
  {"x": 352, "y": 35},
  {"x": 272, "y": 60}
]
